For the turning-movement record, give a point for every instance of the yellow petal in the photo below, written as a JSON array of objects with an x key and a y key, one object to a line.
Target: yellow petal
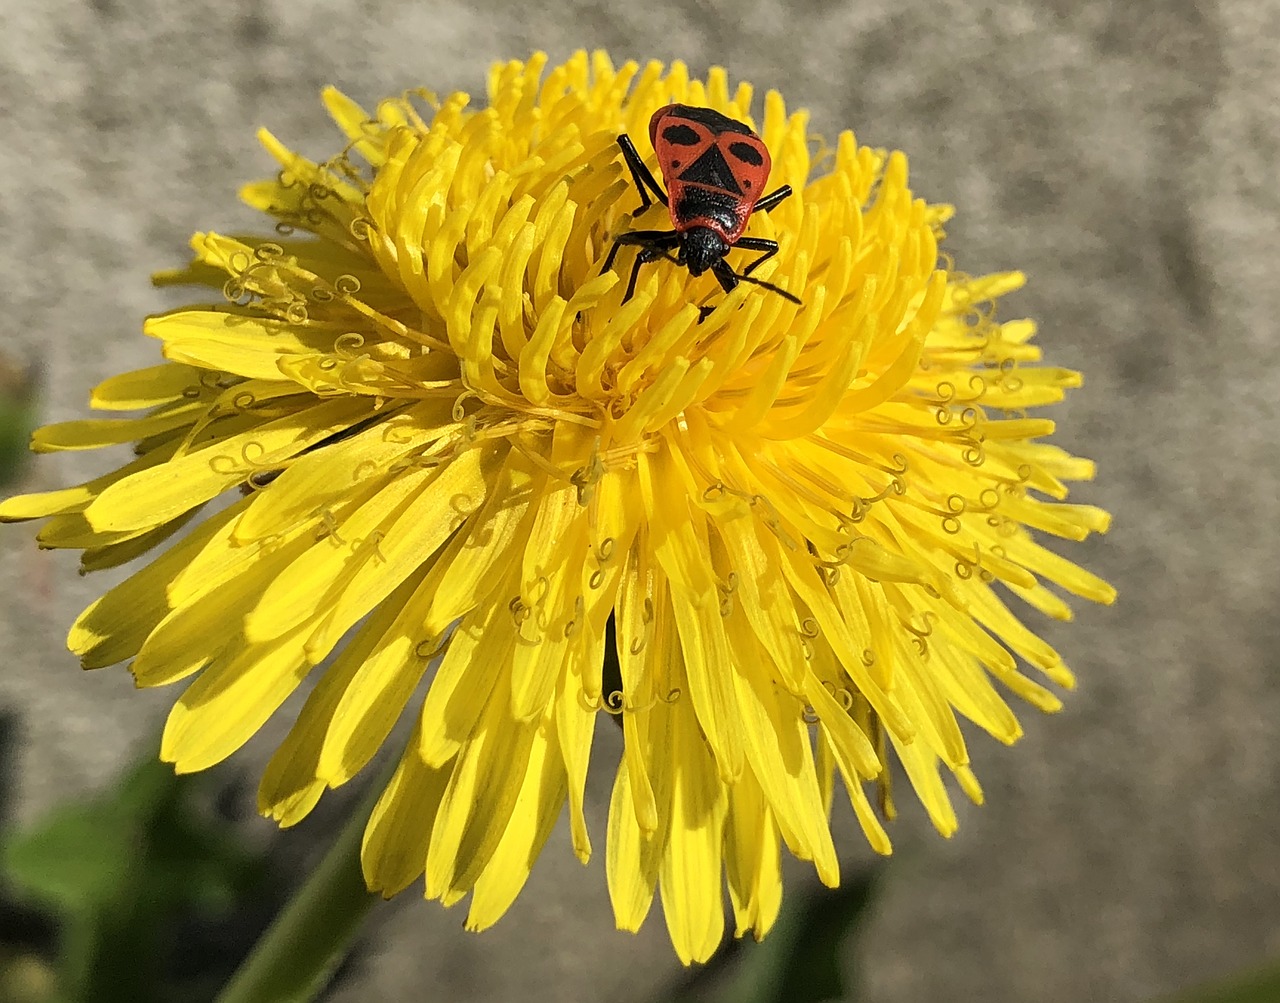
[
  {"x": 390, "y": 655},
  {"x": 405, "y": 543},
  {"x": 394, "y": 852},
  {"x": 537, "y": 807},
  {"x": 804, "y": 579},
  {"x": 292, "y": 782},
  {"x": 921, "y": 766},
  {"x": 296, "y": 596},
  {"x": 383, "y": 542},
  {"x": 765, "y": 599},
  {"x": 115, "y": 626},
  {"x": 778, "y": 751},
  {"x": 690, "y": 873},
  {"x": 313, "y": 480},
  {"x": 356, "y": 123},
  {"x": 95, "y": 433},
  {"x": 576, "y": 725},
  {"x": 163, "y": 492},
  {"x": 117, "y": 550},
  {"x": 148, "y": 387},
  {"x": 631, "y": 857},
  {"x": 551, "y": 576},
  {"x": 230, "y": 701},
  {"x": 236, "y": 343},
  {"x": 481, "y": 796},
  {"x": 479, "y": 652},
  {"x": 464, "y": 576},
  {"x": 706, "y": 652},
  {"x": 208, "y": 624},
  {"x": 752, "y": 860},
  {"x": 644, "y": 636},
  {"x": 76, "y": 499}
]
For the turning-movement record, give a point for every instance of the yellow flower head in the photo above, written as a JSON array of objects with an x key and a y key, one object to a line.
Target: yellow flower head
[{"x": 443, "y": 433}]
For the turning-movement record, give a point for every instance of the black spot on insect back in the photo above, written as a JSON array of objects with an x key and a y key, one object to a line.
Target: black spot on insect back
[
  {"x": 746, "y": 153},
  {"x": 680, "y": 135}
]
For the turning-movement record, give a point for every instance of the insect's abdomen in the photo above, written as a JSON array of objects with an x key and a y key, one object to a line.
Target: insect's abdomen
[{"x": 695, "y": 205}]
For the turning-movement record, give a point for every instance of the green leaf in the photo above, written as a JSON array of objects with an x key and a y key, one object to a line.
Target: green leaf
[
  {"x": 17, "y": 417},
  {"x": 81, "y": 858},
  {"x": 116, "y": 870},
  {"x": 1257, "y": 986}
]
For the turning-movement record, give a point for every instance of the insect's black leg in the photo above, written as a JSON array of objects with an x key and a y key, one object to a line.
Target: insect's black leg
[
  {"x": 767, "y": 202},
  {"x": 644, "y": 238},
  {"x": 728, "y": 282},
  {"x": 653, "y": 244},
  {"x": 651, "y": 252},
  {"x": 769, "y": 247},
  {"x": 641, "y": 259},
  {"x": 728, "y": 279},
  {"x": 640, "y": 174},
  {"x": 613, "y": 253}
]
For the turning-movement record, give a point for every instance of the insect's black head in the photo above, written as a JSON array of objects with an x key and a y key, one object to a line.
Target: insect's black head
[{"x": 703, "y": 247}]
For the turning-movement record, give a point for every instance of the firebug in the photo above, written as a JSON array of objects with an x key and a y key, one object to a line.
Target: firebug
[{"x": 716, "y": 170}]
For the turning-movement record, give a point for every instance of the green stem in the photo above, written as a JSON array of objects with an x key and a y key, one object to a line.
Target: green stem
[{"x": 295, "y": 959}]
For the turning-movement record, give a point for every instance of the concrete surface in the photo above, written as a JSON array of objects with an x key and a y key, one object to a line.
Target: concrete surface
[{"x": 1124, "y": 155}]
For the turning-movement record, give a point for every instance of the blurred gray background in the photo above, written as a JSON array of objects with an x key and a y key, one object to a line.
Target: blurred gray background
[{"x": 1124, "y": 155}]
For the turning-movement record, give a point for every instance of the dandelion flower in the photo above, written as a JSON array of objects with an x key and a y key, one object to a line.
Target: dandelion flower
[{"x": 416, "y": 446}]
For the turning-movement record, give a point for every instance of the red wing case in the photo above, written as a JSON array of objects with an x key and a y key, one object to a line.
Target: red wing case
[{"x": 715, "y": 168}]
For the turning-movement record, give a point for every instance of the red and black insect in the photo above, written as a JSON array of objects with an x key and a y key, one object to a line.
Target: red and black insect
[{"x": 715, "y": 169}]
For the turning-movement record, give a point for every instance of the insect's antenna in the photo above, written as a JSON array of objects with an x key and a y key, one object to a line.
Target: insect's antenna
[{"x": 771, "y": 287}]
